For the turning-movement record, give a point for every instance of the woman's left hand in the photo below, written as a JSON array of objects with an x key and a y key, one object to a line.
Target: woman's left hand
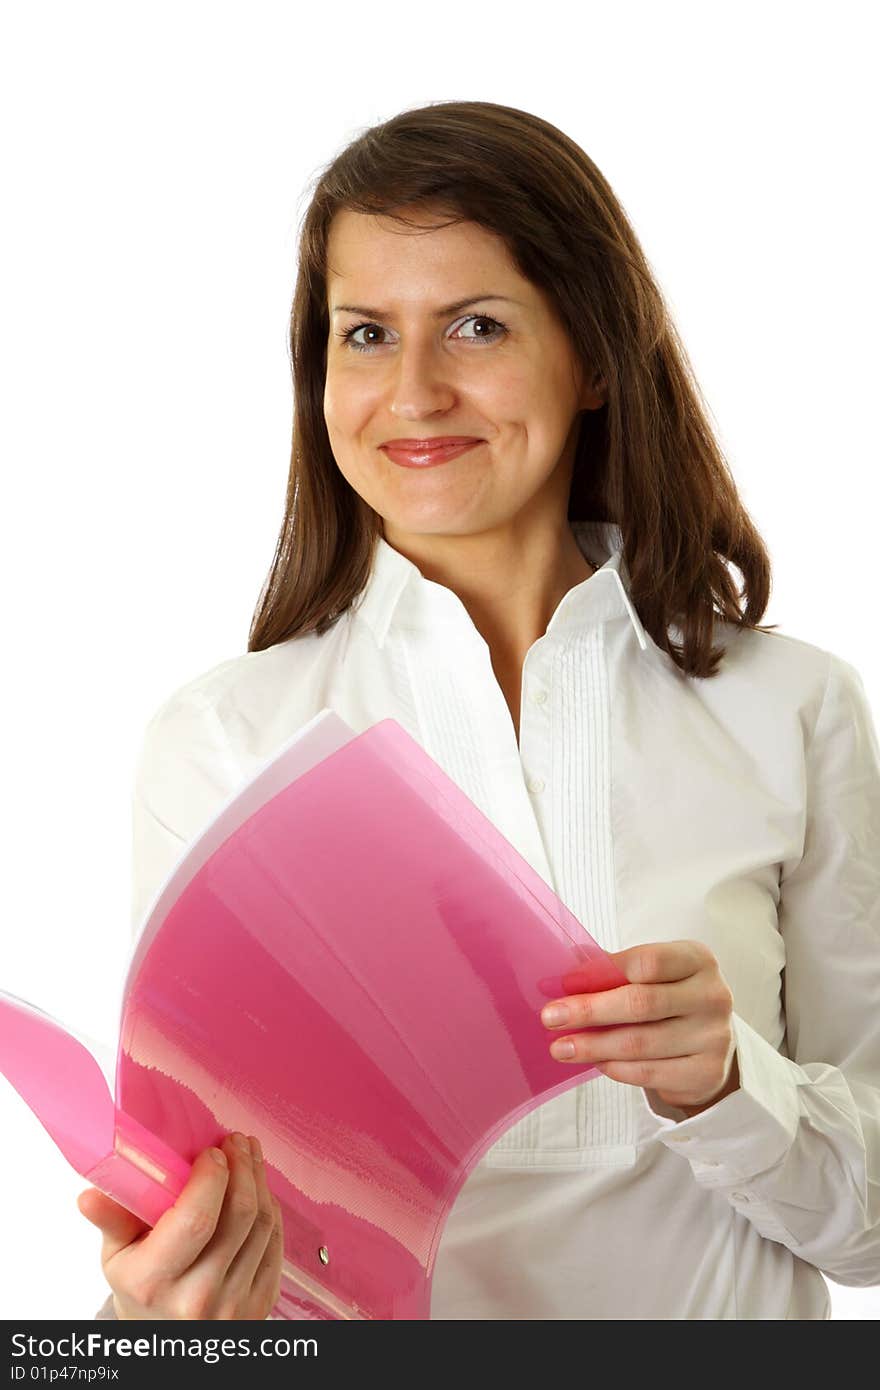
[{"x": 674, "y": 1034}]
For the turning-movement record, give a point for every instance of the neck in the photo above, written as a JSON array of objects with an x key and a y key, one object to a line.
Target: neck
[{"x": 511, "y": 587}]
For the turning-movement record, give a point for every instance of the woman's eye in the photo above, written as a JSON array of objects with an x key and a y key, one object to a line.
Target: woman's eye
[{"x": 496, "y": 331}]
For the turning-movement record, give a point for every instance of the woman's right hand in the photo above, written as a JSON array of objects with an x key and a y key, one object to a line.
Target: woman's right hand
[{"x": 216, "y": 1253}]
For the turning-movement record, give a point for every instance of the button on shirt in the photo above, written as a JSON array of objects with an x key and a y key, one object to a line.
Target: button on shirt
[{"x": 742, "y": 810}]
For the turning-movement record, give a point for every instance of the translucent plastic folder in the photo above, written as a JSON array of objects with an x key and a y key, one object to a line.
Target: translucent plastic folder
[{"x": 349, "y": 962}]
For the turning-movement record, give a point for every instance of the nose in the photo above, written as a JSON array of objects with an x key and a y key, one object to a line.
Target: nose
[{"x": 421, "y": 380}]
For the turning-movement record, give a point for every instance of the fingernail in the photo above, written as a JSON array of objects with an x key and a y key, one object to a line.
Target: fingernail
[
  {"x": 241, "y": 1142},
  {"x": 218, "y": 1156},
  {"x": 554, "y": 1013},
  {"x": 563, "y": 1049},
  {"x": 256, "y": 1152}
]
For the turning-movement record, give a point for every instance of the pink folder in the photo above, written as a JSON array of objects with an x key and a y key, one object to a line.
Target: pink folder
[{"x": 349, "y": 962}]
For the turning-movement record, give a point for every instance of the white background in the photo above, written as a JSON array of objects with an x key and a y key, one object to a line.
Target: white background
[{"x": 153, "y": 173}]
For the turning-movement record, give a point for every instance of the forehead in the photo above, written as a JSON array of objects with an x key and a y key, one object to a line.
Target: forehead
[{"x": 376, "y": 255}]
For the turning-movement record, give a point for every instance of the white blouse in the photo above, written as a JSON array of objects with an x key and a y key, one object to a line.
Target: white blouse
[{"x": 741, "y": 810}]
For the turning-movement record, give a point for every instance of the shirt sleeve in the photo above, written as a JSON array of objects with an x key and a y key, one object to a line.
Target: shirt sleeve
[
  {"x": 184, "y": 773},
  {"x": 796, "y": 1149}
]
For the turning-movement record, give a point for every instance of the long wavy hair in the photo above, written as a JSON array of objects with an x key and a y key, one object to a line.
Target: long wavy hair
[{"x": 646, "y": 460}]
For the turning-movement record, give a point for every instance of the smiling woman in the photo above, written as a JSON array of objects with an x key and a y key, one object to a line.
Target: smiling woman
[
  {"x": 490, "y": 523},
  {"x": 509, "y": 527},
  {"x": 568, "y": 367}
]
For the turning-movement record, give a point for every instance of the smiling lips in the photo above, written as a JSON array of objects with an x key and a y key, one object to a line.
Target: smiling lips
[{"x": 423, "y": 453}]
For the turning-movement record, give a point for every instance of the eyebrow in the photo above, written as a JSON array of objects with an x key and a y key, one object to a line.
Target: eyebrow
[{"x": 439, "y": 314}]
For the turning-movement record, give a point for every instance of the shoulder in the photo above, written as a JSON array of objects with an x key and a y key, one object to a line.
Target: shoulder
[
  {"x": 782, "y": 673},
  {"x": 248, "y": 703},
  {"x": 788, "y": 656}
]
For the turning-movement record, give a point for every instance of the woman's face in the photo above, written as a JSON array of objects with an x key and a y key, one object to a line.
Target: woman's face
[{"x": 415, "y": 372}]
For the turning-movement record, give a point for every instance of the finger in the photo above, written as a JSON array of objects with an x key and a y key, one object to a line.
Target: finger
[
  {"x": 649, "y": 1041},
  {"x": 183, "y": 1231},
  {"x": 236, "y": 1217},
  {"x": 242, "y": 1271},
  {"x": 654, "y": 962},
  {"x": 635, "y": 1003},
  {"x": 267, "y": 1280},
  {"x": 118, "y": 1225}
]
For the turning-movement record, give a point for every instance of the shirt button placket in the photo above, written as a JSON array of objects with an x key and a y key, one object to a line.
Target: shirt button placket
[{"x": 534, "y": 740}]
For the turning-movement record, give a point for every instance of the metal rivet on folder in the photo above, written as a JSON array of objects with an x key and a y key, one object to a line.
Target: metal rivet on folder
[{"x": 324, "y": 1255}]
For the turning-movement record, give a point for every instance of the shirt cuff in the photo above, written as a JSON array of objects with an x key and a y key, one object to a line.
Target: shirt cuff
[
  {"x": 748, "y": 1131},
  {"x": 106, "y": 1311}
]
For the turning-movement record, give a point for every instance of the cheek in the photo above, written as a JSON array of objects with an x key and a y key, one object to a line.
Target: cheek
[
  {"x": 346, "y": 407},
  {"x": 332, "y": 401}
]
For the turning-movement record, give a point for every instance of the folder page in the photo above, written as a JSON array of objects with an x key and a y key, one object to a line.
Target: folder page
[{"x": 349, "y": 962}]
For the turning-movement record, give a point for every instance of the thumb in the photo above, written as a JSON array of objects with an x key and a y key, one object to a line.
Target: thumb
[{"x": 118, "y": 1225}]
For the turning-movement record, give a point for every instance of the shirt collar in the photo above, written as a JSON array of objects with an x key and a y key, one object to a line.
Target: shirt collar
[{"x": 397, "y": 591}]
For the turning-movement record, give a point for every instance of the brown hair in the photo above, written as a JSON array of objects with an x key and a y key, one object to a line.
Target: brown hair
[{"x": 646, "y": 460}]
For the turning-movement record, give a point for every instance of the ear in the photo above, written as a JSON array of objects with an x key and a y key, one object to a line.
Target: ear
[{"x": 594, "y": 394}]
